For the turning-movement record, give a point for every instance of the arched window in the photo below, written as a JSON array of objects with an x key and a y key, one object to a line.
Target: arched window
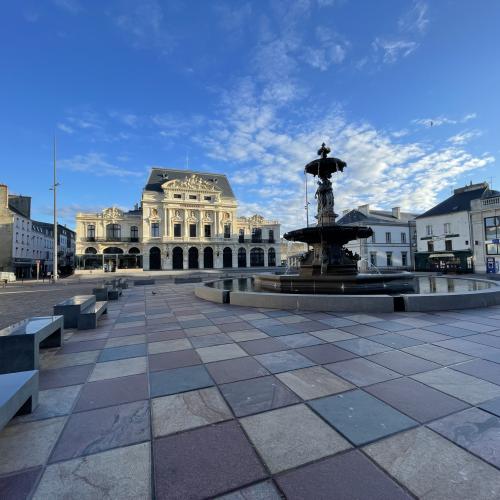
[
  {"x": 90, "y": 250},
  {"x": 271, "y": 257},
  {"x": 242, "y": 257},
  {"x": 111, "y": 250},
  {"x": 134, "y": 250},
  {"x": 113, "y": 232},
  {"x": 256, "y": 257}
]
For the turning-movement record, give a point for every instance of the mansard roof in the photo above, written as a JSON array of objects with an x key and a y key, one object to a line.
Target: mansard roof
[
  {"x": 375, "y": 216},
  {"x": 157, "y": 178}
]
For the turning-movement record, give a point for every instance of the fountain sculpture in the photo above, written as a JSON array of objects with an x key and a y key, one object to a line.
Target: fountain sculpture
[{"x": 327, "y": 267}]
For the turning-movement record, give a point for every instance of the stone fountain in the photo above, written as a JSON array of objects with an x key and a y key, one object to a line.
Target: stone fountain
[{"x": 328, "y": 267}]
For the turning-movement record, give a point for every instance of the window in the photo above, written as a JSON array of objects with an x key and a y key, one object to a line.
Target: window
[
  {"x": 241, "y": 235},
  {"x": 208, "y": 231},
  {"x": 373, "y": 258},
  {"x": 492, "y": 228},
  {"x": 192, "y": 197},
  {"x": 430, "y": 246},
  {"x": 492, "y": 249},
  {"x": 387, "y": 237},
  {"x": 155, "y": 229},
  {"x": 448, "y": 245},
  {"x": 389, "y": 258},
  {"x": 373, "y": 237},
  {"x": 192, "y": 230},
  {"x": 447, "y": 228},
  {"x": 271, "y": 236},
  {"x": 113, "y": 232},
  {"x": 134, "y": 233},
  {"x": 403, "y": 237},
  {"x": 227, "y": 230},
  {"x": 256, "y": 235},
  {"x": 428, "y": 230},
  {"x": 91, "y": 231},
  {"x": 177, "y": 196},
  {"x": 207, "y": 198},
  {"x": 177, "y": 230},
  {"x": 404, "y": 259}
]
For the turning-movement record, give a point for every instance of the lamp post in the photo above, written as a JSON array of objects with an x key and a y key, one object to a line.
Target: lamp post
[{"x": 54, "y": 189}]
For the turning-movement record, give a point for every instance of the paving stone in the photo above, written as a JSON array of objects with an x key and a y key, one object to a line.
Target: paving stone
[
  {"x": 451, "y": 331},
  {"x": 211, "y": 340},
  {"x": 169, "y": 346},
  {"x": 344, "y": 477},
  {"x": 395, "y": 340},
  {"x": 362, "y": 372},
  {"x": 283, "y": 361},
  {"x": 434, "y": 468},
  {"x": 236, "y": 327},
  {"x": 204, "y": 462},
  {"x": 220, "y": 352},
  {"x": 99, "y": 430},
  {"x": 322, "y": 354},
  {"x": 280, "y": 330},
  {"x": 473, "y": 327},
  {"x": 52, "y": 403},
  {"x": 362, "y": 318},
  {"x": 493, "y": 406},
  {"x": 244, "y": 335},
  {"x": 314, "y": 382},
  {"x": 28, "y": 444},
  {"x": 123, "y": 473},
  {"x": 89, "y": 345},
  {"x": 361, "y": 417},
  {"x": 263, "y": 346},
  {"x": 202, "y": 330},
  {"x": 112, "y": 392},
  {"x": 362, "y": 347},
  {"x": 184, "y": 379},
  {"x": 403, "y": 363},
  {"x": 472, "y": 349},
  {"x": 118, "y": 368},
  {"x": 416, "y": 400},
  {"x": 260, "y": 491},
  {"x": 332, "y": 335},
  {"x": 475, "y": 430},
  {"x": 123, "y": 352},
  {"x": 362, "y": 330},
  {"x": 18, "y": 486},
  {"x": 129, "y": 340},
  {"x": 437, "y": 354},
  {"x": 232, "y": 370},
  {"x": 65, "y": 360},
  {"x": 485, "y": 339},
  {"x": 169, "y": 335},
  {"x": 289, "y": 437},
  {"x": 188, "y": 410},
  {"x": 337, "y": 322},
  {"x": 389, "y": 326},
  {"x": 424, "y": 335},
  {"x": 256, "y": 395},
  {"x": 465, "y": 387},
  {"x": 300, "y": 340},
  {"x": 171, "y": 360}
]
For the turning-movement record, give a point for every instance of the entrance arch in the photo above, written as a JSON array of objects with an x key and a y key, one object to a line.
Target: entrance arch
[
  {"x": 242, "y": 257},
  {"x": 112, "y": 250},
  {"x": 256, "y": 257},
  {"x": 193, "y": 258},
  {"x": 177, "y": 258},
  {"x": 155, "y": 258},
  {"x": 227, "y": 257},
  {"x": 208, "y": 258},
  {"x": 271, "y": 257},
  {"x": 90, "y": 251}
]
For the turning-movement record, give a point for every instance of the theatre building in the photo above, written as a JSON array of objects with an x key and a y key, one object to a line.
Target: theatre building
[{"x": 186, "y": 220}]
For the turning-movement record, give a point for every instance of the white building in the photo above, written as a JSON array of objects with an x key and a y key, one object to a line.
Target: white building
[
  {"x": 444, "y": 235},
  {"x": 485, "y": 224},
  {"x": 392, "y": 245},
  {"x": 187, "y": 220}
]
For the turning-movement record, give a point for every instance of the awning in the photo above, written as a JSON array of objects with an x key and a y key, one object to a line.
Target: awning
[{"x": 442, "y": 256}]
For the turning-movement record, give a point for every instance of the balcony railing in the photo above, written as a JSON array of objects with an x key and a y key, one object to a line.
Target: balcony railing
[{"x": 111, "y": 239}]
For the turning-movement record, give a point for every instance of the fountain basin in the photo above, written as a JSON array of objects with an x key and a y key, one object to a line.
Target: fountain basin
[{"x": 431, "y": 293}]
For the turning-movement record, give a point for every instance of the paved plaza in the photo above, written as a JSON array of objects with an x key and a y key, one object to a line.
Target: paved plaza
[{"x": 173, "y": 397}]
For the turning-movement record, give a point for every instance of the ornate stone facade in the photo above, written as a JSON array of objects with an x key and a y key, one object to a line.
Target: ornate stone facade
[{"x": 187, "y": 220}]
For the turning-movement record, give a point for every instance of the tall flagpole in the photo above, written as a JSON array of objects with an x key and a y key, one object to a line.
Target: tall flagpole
[{"x": 54, "y": 187}]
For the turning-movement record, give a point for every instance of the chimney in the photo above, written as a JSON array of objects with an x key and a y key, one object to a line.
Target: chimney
[
  {"x": 364, "y": 209},
  {"x": 396, "y": 212},
  {"x": 4, "y": 196}
]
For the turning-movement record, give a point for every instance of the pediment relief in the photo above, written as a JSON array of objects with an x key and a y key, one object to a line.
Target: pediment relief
[
  {"x": 191, "y": 183},
  {"x": 112, "y": 213}
]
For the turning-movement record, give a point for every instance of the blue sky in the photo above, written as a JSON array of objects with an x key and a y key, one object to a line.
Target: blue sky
[{"x": 406, "y": 92}]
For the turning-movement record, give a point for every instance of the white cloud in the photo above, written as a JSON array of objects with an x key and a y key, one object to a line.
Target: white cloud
[
  {"x": 393, "y": 49},
  {"x": 65, "y": 128},
  {"x": 443, "y": 120},
  {"x": 129, "y": 119},
  {"x": 96, "y": 164},
  {"x": 70, "y": 6},
  {"x": 415, "y": 19},
  {"x": 464, "y": 137}
]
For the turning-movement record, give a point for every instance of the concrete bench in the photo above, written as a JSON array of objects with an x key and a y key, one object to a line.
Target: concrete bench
[
  {"x": 114, "y": 293},
  {"x": 71, "y": 308},
  {"x": 187, "y": 279},
  {"x": 20, "y": 343},
  {"x": 88, "y": 318},
  {"x": 18, "y": 394},
  {"x": 144, "y": 282},
  {"x": 101, "y": 292}
]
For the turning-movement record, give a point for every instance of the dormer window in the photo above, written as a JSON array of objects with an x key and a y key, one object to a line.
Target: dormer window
[
  {"x": 192, "y": 197},
  {"x": 177, "y": 196}
]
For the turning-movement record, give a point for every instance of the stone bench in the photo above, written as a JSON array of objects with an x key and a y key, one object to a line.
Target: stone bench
[
  {"x": 18, "y": 394},
  {"x": 20, "y": 343},
  {"x": 71, "y": 308},
  {"x": 107, "y": 292},
  {"x": 144, "y": 282},
  {"x": 88, "y": 318},
  {"x": 187, "y": 279}
]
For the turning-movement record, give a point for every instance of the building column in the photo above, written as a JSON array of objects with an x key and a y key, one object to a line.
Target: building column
[
  {"x": 185, "y": 257},
  {"x": 266, "y": 260},
  {"x": 247, "y": 256},
  {"x": 235, "y": 257},
  {"x": 145, "y": 260},
  {"x": 200, "y": 257}
]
